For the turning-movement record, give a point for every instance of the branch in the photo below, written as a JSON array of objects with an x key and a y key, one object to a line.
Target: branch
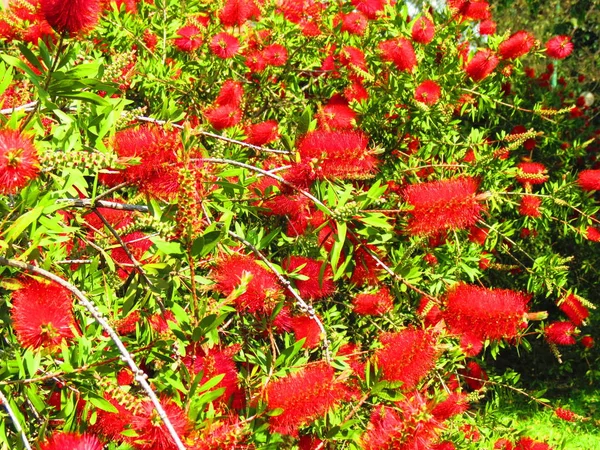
[
  {"x": 15, "y": 421},
  {"x": 87, "y": 203},
  {"x": 140, "y": 375}
]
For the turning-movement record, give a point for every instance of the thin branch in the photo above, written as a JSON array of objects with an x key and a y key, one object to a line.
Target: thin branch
[
  {"x": 140, "y": 375},
  {"x": 26, "y": 107},
  {"x": 87, "y": 203},
  {"x": 15, "y": 421}
]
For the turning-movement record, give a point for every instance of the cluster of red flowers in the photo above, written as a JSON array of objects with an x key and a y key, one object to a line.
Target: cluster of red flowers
[{"x": 18, "y": 161}]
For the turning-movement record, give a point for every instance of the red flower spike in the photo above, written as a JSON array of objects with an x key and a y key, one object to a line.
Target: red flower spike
[
  {"x": 589, "y": 180},
  {"x": 592, "y": 234},
  {"x": 429, "y": 311},
  {"x": 375, "y": 304},
  {"x": 305, "y": 327},
  {"x": 42, "y": 314},
  {"x": 530, "y": 206},
  {"x": 275, "y": 55},
  {"x": 485, "y": 313},
  {"x": 237, "y": 12},
  {"x": 366, "y": 269},
  {"x": 442, "y": 205},
  {"x": 259, "y": 290},
  {"x": 456, "y": 403},
  {"x": 224, "y": 45},
  {"x": 587, "y": 341},
  {"x": 223, "y": 117},
  {"x": 354, "y": 23},
  {"x": 481, "y": 65},
  {"x": 352, "y": 353},
  {"x": 18, "y": 161},
  {"x": 316, "y": 286},
  {"x": 470, "y": 10},
  {"x": 516, "y": 45},
  {"x": 370, "y": 8},
  {"x": 353, "y": 58},
  {"x": 526, "y": 443},
  {"x": 470, "y": 345},
  {"x": 304, "y": 397},
  {"x": 531, "y": 173},
  {"x": 474, "y": 376},
  {"x": 407, "y": 356},
  {"x": 559, "y": 47},
  {"x": 112, "y": 425},
  {"x": 423, "y": 30},
  {"x": 565, "y": 414},
  {"x": 336, "y": 117},
  {"x": 446, "y": 445},
  {"x": 487, "y": 27},
  {"x": 339, "y": 155},
  {"x": 138, "y": 244},
  {"x": 399, "y": 51},
  {"x": 262, "y": 133},
  {"x": 428, "y": 92},
  {"x": 190, "y": 38},
  {"x": 478, "y": 235},
  {"x": 152, "y": 432},
  {"x": 71, "y": 16},
  {"x": 561, "y": 333},
  {"x": 72, "y": 441},
  {"x": 230, "y": 94},
  {"x": 574, "y": 309}
]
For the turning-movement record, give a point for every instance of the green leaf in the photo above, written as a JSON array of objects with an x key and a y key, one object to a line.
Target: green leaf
[
  {"x": 102, "y": 404},
  {"x": 19, "y": 225},
  {"x": 168, "y": 248}
]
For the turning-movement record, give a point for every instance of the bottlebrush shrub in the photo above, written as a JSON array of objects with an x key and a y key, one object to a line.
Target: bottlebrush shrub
[{"x": 281, "y": 224}]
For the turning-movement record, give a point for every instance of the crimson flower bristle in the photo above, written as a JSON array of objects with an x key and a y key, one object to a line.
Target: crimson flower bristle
[
  {"x": 531, "y": 173},
  {"x": 275, "y": 55},
  {"x": 237, "y": 12},
  {"x": 262, "y": 133},
  {"x": 304, "y": 397},
  {"x": 456, "y": 403},
  {"x": 407, "y": 356},
  {"x": 561, "y": 333},
  {"x": 526, "y": 443},
  {"x": 516, "y": 45},
  {"x": 481, "y": 65},
  {"x": 423, "y": 30},
  {"x": 152, "y": 433},
  {"x": 71, "y": 16},
  {"x": 42, "y": 314},
  {"x": 559, "y": 47},
  {"x": 401, "y": 52},
  {"x": 72, "y": 441},
  {"x": 574, "y": 309},
  {"x": 254, "y": 288},
  {"x": 589, "y": 180},
  {"x": 354, "y": 23},
  {"x": 366, "y": 269},
  {"x": 485, "y": 313},
  {"x": 317, "y": 284},
  {"x": 138, "y": 244},
  {"x": 428, "y": 92},
  {"x": 487, "y": 27},
  {"x": 470, "y": 9},
  {"x": 587, "y": 341},
  {"x": 305, "y": 327},
  {"x": 373, "y": 304},
  {"x": 474, "y": 375},
  {"x": 442, "y": 205},
  {"x": 224, "y": 45},
  {"x": 592, "y": 234},
  {"x": 18, "y": 161},
  {"x": 339, "y": 155},
  {"x": 190, "y": 38},
  {"x": 222, "y": 117},
  {"x": 336, "y": 117},
  {"x": 370, "y": 8},
  {"x": 530, "y": 206},
  {"x": 565, "y": 414}
]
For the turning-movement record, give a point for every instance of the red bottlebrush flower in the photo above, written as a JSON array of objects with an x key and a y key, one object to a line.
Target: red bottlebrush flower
[
  {"x": 574, "y": 309},
  {"x": 474, "y": 375},
  {"x": 592, "y": 234},
  {"x": 42, "y": 314},
  {"x": 442, "y": 205},
  {"x": 473, "y": 10},
  {"x": 428, "y": 92},
  {"x": 125, "y": 377},
  {"x": 478, "y": 235},
  {"x": 222, "y": 117},
  {"x": 587, "y": 341},
  {"x": 254, "y": 288},
  {"x": 306, "y": 328},
  {"x": 353, "y": 58},
  {"x": 531, "y": 173},
  {"x": 213, "y": 362},
  {"x": 138, "y": 244},
  {"x": 224, "y": 45},
  {"x": 503, "y": 444},
  {"x": 446, "y": 445},
  {"x": 375, "y": 304},
  {"x": 310, "y": 443},
  {"x": 127, "y": 325},
  {"x": 565, "y": 414},
  {"x": 275, "y": 55},
  {"x": 456, "y": 403},
  {"x": 560, "y": 333},
  {"x": 231, "y": 94},
  {"x": 336, "y": 117},
  {"x": 190, "y": 39},
  {"x": 72, "y": 441},
  {"x": 221, "y": 434},
  {"x": 589, "y": 180},
  {"x": 303, "y": 397},
  {"x": 354, "y": 23},
  {"x": 423, "y": 30},
  {"x": 481, "y": 65},
  {"x": 352, "y": 353},
  {"x": 18, "y": 161},
  {"x": 516, "y": 46},
  {"x": 356, "y": 91},
  {"x": 407, "y": 356},
  {"x": 262, "y": 133},
  {"x": 530, "y": 206},
  {"x": 152, "y": 433},
  {"x": 485, "y": 313},
  {"x": 159, "y": 322},
  {"x": 71, "y": 16},
  {"x": 429, "y": 311},
  {"x": 487, "y": 27},
  {"x": 470, "y": 345},
  {"x": 400, "y": 51},
  {"x": 559, "y": 47},
  {"x": 237, "y": 12},
  {"x": 316, "y": 286},
  {"x": 111, "y": 425},
  {"x": 526, "y": 443},
  {"x": 150, "y": 39},
  {"x": 369, "y": 8},
  {"x": 341, "y": 155},
  {"x": 366, "y": 269},
  {"x": 255, "y": 62}
]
